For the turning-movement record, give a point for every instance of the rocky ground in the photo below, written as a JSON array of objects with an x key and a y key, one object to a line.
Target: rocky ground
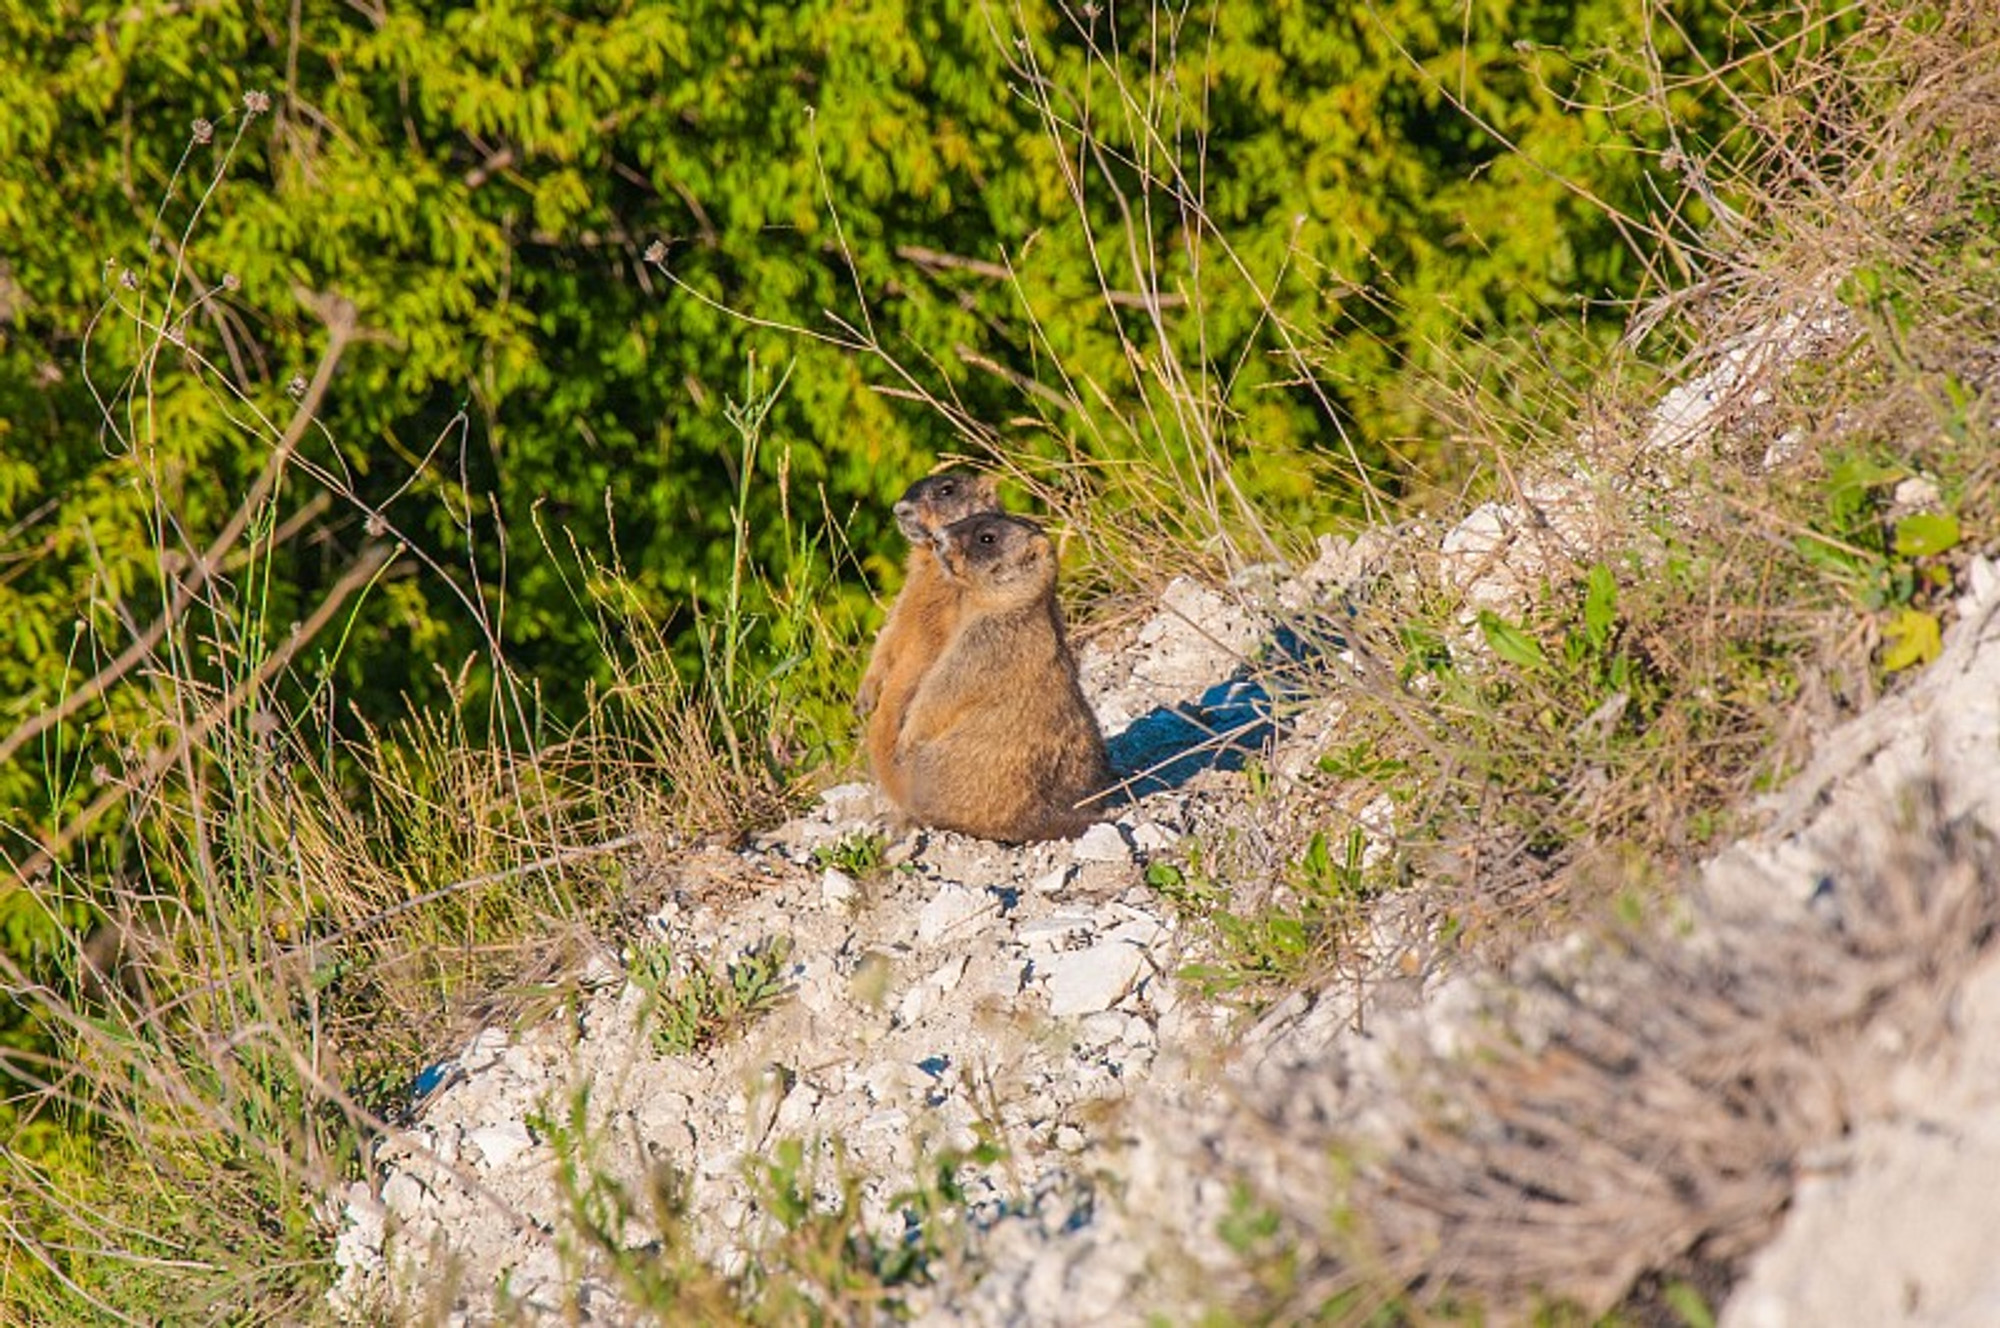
[
  {"x": 1555, "y": 1125},
  {"x": 965, "y": 993}
]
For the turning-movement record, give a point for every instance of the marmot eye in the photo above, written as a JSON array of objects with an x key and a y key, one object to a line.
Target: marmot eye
[
  {"x": 987, "y": 538},
  {"x": 947, "y": 490}
]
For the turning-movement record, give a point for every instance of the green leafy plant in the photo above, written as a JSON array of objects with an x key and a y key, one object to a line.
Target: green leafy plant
[
  {"x": 697, "y": 1006},
  {"x": 1260, "y": 950},
  {"x": 859, "y": 853},
  {"x": 1894, "y": 569},
  {"x": 824, "y": 1261}
]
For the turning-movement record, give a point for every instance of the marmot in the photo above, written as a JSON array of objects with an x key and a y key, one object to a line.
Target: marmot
[
  {"x": 998, "y": 741},
  {"x": 924, "y": 615}
]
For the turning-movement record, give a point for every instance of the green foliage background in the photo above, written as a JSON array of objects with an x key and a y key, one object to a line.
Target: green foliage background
[
  {"x": 482, "y": 182},
  {"x": 1394, "y": 195}
]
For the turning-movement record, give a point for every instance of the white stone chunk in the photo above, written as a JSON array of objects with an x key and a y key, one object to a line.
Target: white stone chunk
[
  {"x": 358, "y": 1250},
  {"x": 893, "y": 1119},
  {"x": 1101, "y": 1029},
  {"x": 946, "y": 978},
  {"x": 1102, "y": 843},
  {"x": 403, "y": 1194},
  {"x": 501, "y": 1144},
  {"x": 1047, "y": 932},
  {"x": 1086, "y": 981},
  {"x": 955, "y": 911},
  {"x": 1053, "y": 881},
  {"x": 486, "y": 1048},
  {"x": 836, "y": 888},
  {"x": 1142, "y": 932}
]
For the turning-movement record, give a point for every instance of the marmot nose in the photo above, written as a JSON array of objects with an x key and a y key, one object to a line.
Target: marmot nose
[{"x": 902, "y": 509}]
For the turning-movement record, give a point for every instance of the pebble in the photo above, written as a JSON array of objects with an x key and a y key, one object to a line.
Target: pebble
[
  {"x": 1002, "y": 979},
  {"x": 888, "y": 1080},
  {"x": 836, "y": 888},
  {"x": 525, "y": 1062},
  {"x": 1101, "y": 1029},
  {"x": 952, "y": 912},
  {"x": 403, "y": 1194},
  {"x": 944, "y": 980},
  {"x": 1053, "y": 881},
  {"x": 797, "y": 1114},
  {"x": 1086, "y": 981},
  {"x": 727, "y": 1162},
  {"x": 1047, "y": 932},
  {"x": 485, "y": 1049},
  {"x": 501, "y": 1144},
  {"x": 360, "y": 1244},
  {"x": 1142, "y": 931},
  {"x": 1103, "y": 842}
]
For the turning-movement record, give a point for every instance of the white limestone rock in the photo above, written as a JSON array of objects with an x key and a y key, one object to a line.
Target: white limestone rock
[
  {"x": 1085, "y": 981},
  {"x": 955, "y": 912},
  {"x": 1103, "y": 842}
]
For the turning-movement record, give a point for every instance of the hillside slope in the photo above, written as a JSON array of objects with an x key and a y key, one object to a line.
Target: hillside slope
[{"x": 992, "y": 1075}]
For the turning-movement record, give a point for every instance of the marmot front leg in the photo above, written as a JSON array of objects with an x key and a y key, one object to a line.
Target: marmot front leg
[{"x": 871, "y": 681}]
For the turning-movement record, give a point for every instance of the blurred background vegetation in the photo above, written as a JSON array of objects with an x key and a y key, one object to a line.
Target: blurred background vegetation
[
  {"x": 1414, "y": 193},
  {"x": 348, "y": 353}
]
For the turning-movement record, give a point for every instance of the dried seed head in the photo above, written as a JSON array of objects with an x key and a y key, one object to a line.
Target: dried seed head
[
  {"x": 230, "y": 281},
  {"x": 129, "y": 279},
  {"x": 256, "y": 101},
  {"x": 656, "y": 252},
  {"x": 297, "y": 387},
  {"x": 203, "y": 130}
]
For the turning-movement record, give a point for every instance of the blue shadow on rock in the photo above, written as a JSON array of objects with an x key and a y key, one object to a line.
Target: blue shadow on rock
[{"x": 1166, "y": 747}]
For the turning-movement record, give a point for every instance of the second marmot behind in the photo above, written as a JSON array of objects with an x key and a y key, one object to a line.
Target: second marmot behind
[
  {"x": 921, "y": 621},
  {"x": 998, "y": 740}
]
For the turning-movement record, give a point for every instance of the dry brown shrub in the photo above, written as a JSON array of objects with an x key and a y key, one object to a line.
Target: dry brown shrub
[{"x": 1652, "y": 1106}]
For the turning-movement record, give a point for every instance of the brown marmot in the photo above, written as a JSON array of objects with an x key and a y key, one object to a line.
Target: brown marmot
[
  {"x": 924, "y": 615},
  {"x": 998, "y": 741}
]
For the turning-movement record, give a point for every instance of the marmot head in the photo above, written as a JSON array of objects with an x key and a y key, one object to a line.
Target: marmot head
[
  {"x": 934, "y": 502},
  {"x": 1000, "y": 559}
]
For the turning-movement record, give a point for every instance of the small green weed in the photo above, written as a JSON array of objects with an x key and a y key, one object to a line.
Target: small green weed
[
  {"x": 858, "y": 854},
  {"x": 1688, "y": 1302},
  {"x": 825, "y": 1265},
  {"x": 1270, "y": 947},
  {"x": 641, "y": 1240},
  {"x": 1362, "y": 761},
  {"x": 700, "y": 1007},
  {"x": 1897, "y": 568}
]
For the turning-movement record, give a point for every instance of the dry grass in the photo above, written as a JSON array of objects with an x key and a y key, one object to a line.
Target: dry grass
[
  {"x": 1647, "y": 1109},
  {"x": 269, "y": 913}
]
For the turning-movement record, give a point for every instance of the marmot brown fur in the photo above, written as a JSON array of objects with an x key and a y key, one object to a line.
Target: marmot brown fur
[
  {"x": 924, "y": 615},
  {"x": 998, "y": 740}
]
